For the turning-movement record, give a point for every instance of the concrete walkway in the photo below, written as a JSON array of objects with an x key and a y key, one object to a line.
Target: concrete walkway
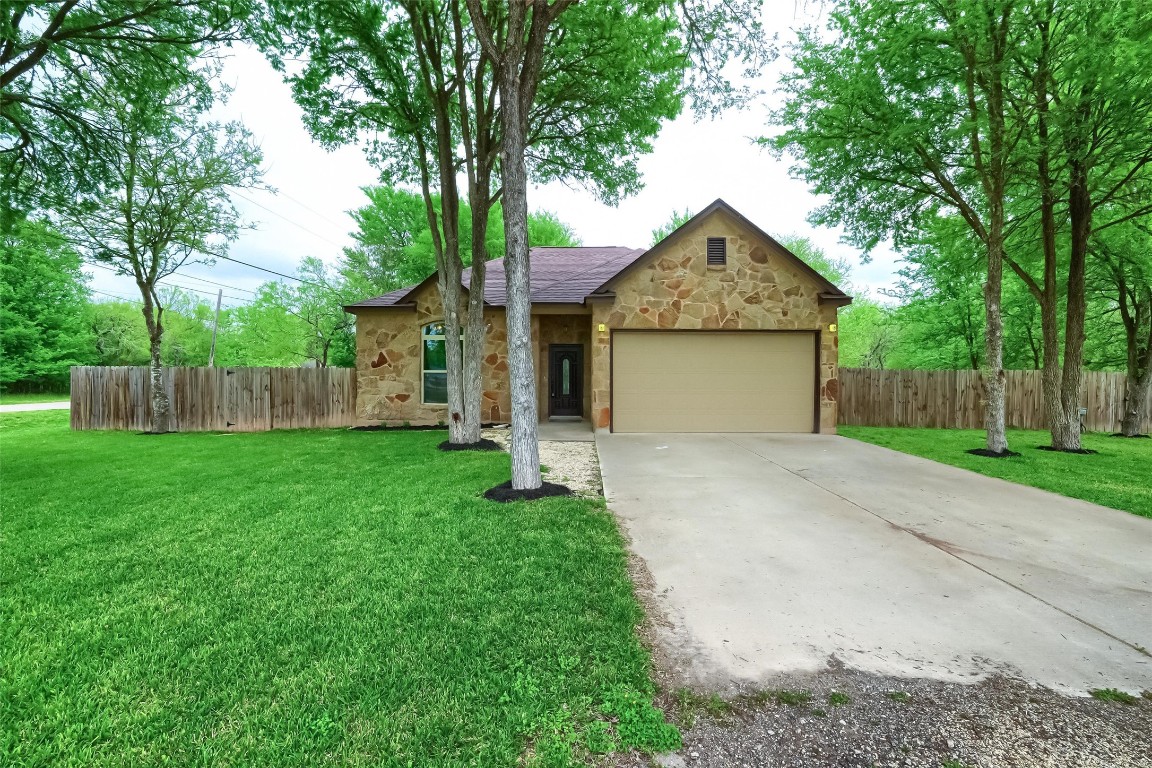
[
  {"x": 16, "y": 407},
  {"x": 776, "y": 554}
]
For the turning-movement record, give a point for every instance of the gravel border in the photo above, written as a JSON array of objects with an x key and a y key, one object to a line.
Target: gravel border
[
  {"x": 885, "y": 722},
  {"x": 574, "y": 464}
]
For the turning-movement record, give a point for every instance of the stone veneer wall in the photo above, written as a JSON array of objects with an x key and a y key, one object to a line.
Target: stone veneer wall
[
  {"x": 388, "y": 365},
  {"x": 562, "y": 329},
  {"x": 758, "y": 289}
]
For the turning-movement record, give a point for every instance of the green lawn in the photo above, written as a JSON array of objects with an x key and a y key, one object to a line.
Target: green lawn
[
  {"x": 320, "y": 597},
  {"x": 35, "y": 397},
  {"x": 1117, "y": 476}
]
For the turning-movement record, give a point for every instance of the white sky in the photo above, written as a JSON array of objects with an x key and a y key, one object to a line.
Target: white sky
[{"x": 692, "y": 164}]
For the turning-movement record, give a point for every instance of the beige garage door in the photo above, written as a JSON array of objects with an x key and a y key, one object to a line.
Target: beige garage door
[{"x": 699, "y": 381}]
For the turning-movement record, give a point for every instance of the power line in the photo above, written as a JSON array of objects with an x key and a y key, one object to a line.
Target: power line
[
  {"x": 213, "y": 282},
  {"x": 285, "y": 218},
  {"x": 272, "y": 271},
  {"x": 116, "y": 296},
  {"x": 197, "y": 290},
  {"x": 307, "y": 208},
  {"x": 165, "y": 283}
]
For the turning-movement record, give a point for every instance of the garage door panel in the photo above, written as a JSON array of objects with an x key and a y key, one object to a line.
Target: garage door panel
[{"x": 683, "y": 381}]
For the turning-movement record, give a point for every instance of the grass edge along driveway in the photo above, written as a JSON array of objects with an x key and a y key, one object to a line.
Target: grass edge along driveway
[
  {"x": 1116, "y": 476},
  {"x": 291, "y": 598}
]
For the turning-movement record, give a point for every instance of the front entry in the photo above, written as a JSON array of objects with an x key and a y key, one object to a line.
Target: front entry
[{"x": 565, "y": 380}]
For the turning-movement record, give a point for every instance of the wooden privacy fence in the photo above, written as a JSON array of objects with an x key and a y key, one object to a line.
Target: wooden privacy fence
[
  {"x": 216, "y": 399},
  {"x": 953, "y": 399}
]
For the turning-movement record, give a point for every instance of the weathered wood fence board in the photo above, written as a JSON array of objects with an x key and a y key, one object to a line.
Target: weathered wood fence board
[
  {"x": 954, "y": 399},
  {"x": 216, "y": 399}
]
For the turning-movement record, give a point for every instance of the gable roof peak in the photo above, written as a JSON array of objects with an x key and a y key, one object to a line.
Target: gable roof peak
[{"x": 828, "y": 290}]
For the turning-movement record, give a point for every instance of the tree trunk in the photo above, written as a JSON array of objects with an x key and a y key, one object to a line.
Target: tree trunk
[
  {"x": 1139, "y": 367},
  {"x": 476, "y": 328},
  {"x": 1135, "y": 395},
  {"x": 993, "y": 369},
  {"x": 1067, "y": 438},
  {"x": 161, "y": 407},
  {"x": 525, "y": 446}
]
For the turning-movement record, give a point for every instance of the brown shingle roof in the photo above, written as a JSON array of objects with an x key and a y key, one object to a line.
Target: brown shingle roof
[{"x": 559, "y": 276}]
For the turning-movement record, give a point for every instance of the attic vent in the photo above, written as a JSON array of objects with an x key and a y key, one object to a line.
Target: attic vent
[{"x": 717, "y": 251}]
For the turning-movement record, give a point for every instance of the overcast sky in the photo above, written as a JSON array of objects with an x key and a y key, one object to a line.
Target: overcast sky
[{"x": 692, "y": 164}]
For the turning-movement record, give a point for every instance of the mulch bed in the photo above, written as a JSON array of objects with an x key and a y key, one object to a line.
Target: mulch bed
[
  {"x": 1121, "y": 434},
  {"x": 992, "y": 454},
  {"x": 1080, "y": 451},
  {"x": 483, "y": 444},
  {"x": 505, "y": 492}
]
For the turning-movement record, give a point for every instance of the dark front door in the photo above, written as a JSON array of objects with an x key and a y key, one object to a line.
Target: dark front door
[{"x": 565, "y": 380}]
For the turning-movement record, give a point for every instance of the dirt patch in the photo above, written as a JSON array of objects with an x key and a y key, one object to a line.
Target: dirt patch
[
  {"x": 844, "y": 718},
  {"x": 505, "y": 492},
  {"x": 1121, "y": 434},
  {"x": 992, "y": 454},
  {"x": 483, "y": 444},
  {"x": 1078, "y": 451}
]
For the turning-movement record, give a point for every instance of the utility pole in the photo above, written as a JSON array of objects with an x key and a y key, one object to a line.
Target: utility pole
[{"x": 215, "y": 325}]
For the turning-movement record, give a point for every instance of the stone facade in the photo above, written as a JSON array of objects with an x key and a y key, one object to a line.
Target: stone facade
[
  {"x": 389, "y": 365},
  {"x": 759, "y": 288}
]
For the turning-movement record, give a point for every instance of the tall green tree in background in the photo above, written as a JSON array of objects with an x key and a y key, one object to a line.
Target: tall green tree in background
[
  {"x": 42, "y": 308},
  {"x": 394, "y": 245},
  {"x": 165, "y": 204},
  {"x": 1027, "y": 120},
  {"x": 1088, "y": 151},
  {"x": 1124, "y": 270},
  {"x": 675, "y": 221},
  {"x": 902, "y": 114}
]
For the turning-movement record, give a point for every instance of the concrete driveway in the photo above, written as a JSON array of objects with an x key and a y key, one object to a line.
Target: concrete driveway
[{"x": 776, "y": 554}]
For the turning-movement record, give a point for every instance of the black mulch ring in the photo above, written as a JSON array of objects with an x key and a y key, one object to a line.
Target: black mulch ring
[
  {"x": 505, "y": 492},
  {"x": 169, "y": 432},
  {"x": 1121, "y": 434},
  {"x": 483, "y": 444},
  {"x": 992, "y": 454},
  {"x": 1080, "y": 451}
]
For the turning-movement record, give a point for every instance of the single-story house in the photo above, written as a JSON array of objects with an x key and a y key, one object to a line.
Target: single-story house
[{"x": 716, "y": 328}]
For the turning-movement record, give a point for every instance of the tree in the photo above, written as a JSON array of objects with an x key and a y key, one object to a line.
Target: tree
[
  {"x": 1125, "y": 257},
  {"x": 903, "y": 114},
  {"x": 166, "y": 206},
  {"x": 395, "y": 246},
  {"x": 118, "y": 332},
  {"x": 1092, "y": 103},
  {"x": 545, "y": 229},
  {"x": 43, "y": 294},
  {"x": 516, "y": 43},
  {"x": 675, "y": 221},
  {"x": 411, "y": 79},
  {"x": 517, "y": 59},
  {"x": 63, "y": 63}
]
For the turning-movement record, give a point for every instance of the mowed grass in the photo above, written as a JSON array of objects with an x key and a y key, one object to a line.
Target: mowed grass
[
  {"x": 20, "y": 398},
  {"x": 1118, "y": 476},
  {"x": 290, "y": 598}
]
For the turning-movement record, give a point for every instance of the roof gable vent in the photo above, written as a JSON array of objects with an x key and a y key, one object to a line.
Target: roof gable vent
[{"x": 717, "y": 251}]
